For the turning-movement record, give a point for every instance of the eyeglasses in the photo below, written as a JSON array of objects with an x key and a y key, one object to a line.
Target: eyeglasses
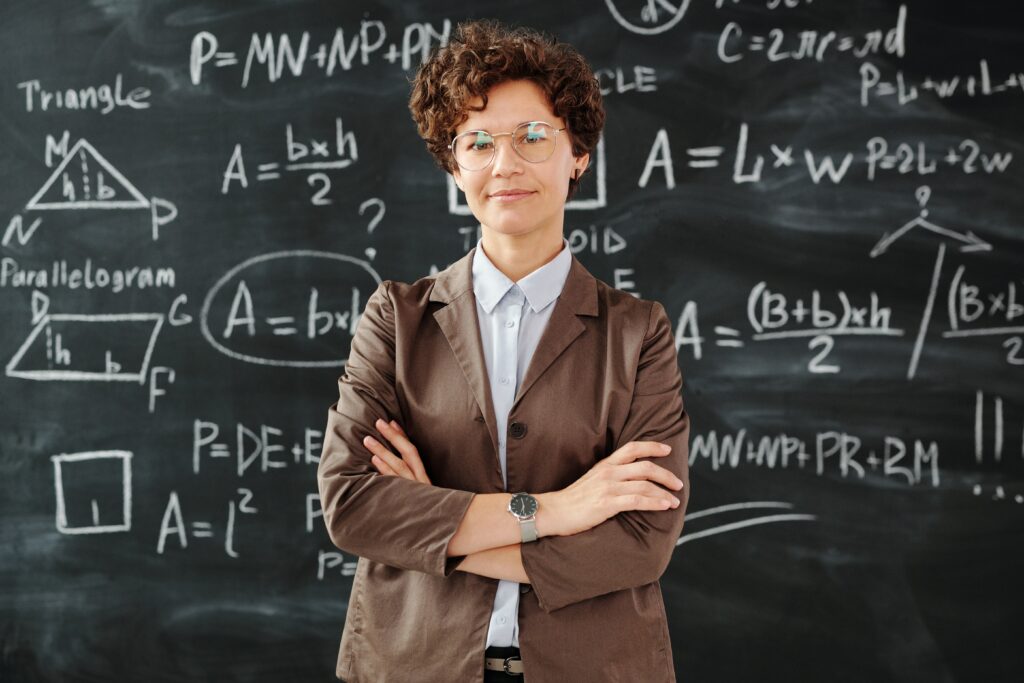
[{"x": 534, "y": 141}]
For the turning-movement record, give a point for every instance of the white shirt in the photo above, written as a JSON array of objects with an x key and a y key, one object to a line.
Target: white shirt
[{"x": 512, "y": 317}]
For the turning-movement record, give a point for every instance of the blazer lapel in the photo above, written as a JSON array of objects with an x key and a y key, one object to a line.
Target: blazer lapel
[{"x": 459, "y": 322}]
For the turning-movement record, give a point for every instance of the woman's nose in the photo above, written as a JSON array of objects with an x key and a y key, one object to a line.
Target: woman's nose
[{"x": 506, "y": 159}]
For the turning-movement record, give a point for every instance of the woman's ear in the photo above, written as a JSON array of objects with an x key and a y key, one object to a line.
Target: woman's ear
[
  {"x": 582, "y": 164},
  {"x": 458, "y": 179}
]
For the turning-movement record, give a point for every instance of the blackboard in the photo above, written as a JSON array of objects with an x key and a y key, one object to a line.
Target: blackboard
[{"x": 826, "y": 197}]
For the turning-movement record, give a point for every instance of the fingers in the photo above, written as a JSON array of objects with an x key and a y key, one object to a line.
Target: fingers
[
  {"x": 382, "y": 456},
  {"x": 382, "y": 467},
  {"x": 659, "y": 496},
  {"x": 396, "y": 435},
  {"x": 409, "y": 465},
  {"x": 648, "y": 470},
  {"x": 638, "y": 502},
  {"x": 639, "y": 449}
]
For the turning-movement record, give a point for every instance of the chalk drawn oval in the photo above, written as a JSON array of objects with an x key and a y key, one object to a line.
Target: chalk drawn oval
[{"x": 288, "y": 308}]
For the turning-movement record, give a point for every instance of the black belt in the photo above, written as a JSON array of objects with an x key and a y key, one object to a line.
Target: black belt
[{"x": 505, "y": 659}]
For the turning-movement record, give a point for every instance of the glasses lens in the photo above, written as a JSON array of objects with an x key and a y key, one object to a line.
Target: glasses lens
[
  {"x": 473, "y": 149},
  {"x": 535, "y": 141}
]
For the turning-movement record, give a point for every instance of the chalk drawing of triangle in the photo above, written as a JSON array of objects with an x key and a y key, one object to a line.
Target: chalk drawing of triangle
[{"x": 86, "y": 180}]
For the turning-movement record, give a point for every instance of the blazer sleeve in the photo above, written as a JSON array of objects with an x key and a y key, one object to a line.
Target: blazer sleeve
[
  {"x": 392, "y": 520},
  {"x": 634, "y": 547}
]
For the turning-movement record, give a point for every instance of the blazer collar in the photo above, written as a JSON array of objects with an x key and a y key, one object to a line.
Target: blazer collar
[
  {"x": 579, "y": 293},
  {"x": 458, "y": 321}
]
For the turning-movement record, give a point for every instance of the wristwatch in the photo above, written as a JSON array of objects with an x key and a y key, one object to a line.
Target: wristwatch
[{"x": 523, "y": 507}]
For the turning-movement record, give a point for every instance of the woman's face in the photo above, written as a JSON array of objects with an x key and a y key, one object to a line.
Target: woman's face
[{"x": 508, "y": 105}]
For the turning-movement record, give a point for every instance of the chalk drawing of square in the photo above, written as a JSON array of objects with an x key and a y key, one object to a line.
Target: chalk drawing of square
[
  {"x": 598, "y": 201},
  {"x": 120, "y": 463},
  {"x": 131, "y": 335}
]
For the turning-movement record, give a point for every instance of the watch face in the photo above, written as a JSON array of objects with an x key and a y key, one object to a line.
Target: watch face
[{"x": 523, "y": 505}]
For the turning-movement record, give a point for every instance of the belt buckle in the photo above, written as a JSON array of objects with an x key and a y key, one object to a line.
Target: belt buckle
[{"x": 505, "y": 665}]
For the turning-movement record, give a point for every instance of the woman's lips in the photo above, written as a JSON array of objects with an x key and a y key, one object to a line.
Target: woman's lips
[{"x": 505, "y": 198}]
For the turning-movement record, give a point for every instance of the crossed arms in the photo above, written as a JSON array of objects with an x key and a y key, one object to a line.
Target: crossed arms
[{"x": 454, "y": 529}]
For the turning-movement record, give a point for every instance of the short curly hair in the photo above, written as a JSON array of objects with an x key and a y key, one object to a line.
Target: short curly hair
[{"x": 484, "y": 53}]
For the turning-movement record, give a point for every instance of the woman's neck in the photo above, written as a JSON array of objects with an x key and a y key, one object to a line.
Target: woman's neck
[{"x": 519, "y": 255}]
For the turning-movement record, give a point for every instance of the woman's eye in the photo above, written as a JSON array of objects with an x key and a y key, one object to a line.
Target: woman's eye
[{"x": 480, "y": 142}]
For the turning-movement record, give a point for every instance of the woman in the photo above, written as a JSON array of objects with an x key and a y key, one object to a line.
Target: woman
[{"x": 520, "y": 528}]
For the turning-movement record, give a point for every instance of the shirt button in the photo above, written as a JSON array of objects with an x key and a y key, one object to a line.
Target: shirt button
[
  {"x": 517, "y": 430},
  {"x": 510, "y": 323},
  {"x": 503, "y": 620},
  {"x": 503, "y": 380}
]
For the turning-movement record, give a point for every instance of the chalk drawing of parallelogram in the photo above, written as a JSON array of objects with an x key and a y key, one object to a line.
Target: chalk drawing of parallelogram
[
  {"x": 93, "y": 476},
  {"x": 86, "y": 180},
  {"x": 103, "y": 347}
]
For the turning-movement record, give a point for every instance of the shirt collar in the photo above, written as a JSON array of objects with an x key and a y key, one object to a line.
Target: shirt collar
[{"x": 541, "y": 287}]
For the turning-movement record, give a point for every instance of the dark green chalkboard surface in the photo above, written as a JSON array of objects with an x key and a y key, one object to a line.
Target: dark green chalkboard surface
[{"x": 197, "y": 198}]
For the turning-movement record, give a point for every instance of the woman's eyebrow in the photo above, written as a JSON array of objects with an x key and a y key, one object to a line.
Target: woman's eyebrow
[{"x": 488, "y": 129}]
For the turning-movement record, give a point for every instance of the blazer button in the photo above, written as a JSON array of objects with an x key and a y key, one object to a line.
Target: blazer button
[
  {"x": 517, "y": 430},
  {"x": 479, "y": 418},
  {"x": 525, "y": 588}
]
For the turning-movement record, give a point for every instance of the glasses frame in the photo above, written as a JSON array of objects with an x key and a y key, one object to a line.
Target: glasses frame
[{"x": 493, "y": 136}]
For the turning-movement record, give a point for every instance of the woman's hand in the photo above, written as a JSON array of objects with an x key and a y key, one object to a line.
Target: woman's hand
[
  {"x": 615, "y": 484},
  {"x": 409, "y": 466}
]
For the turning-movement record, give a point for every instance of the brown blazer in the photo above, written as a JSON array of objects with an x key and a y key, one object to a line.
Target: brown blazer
[{"x": 605, "y": 372}]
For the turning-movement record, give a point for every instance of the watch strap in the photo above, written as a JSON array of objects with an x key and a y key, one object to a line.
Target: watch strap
[{"x": 528, "y": 529}]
